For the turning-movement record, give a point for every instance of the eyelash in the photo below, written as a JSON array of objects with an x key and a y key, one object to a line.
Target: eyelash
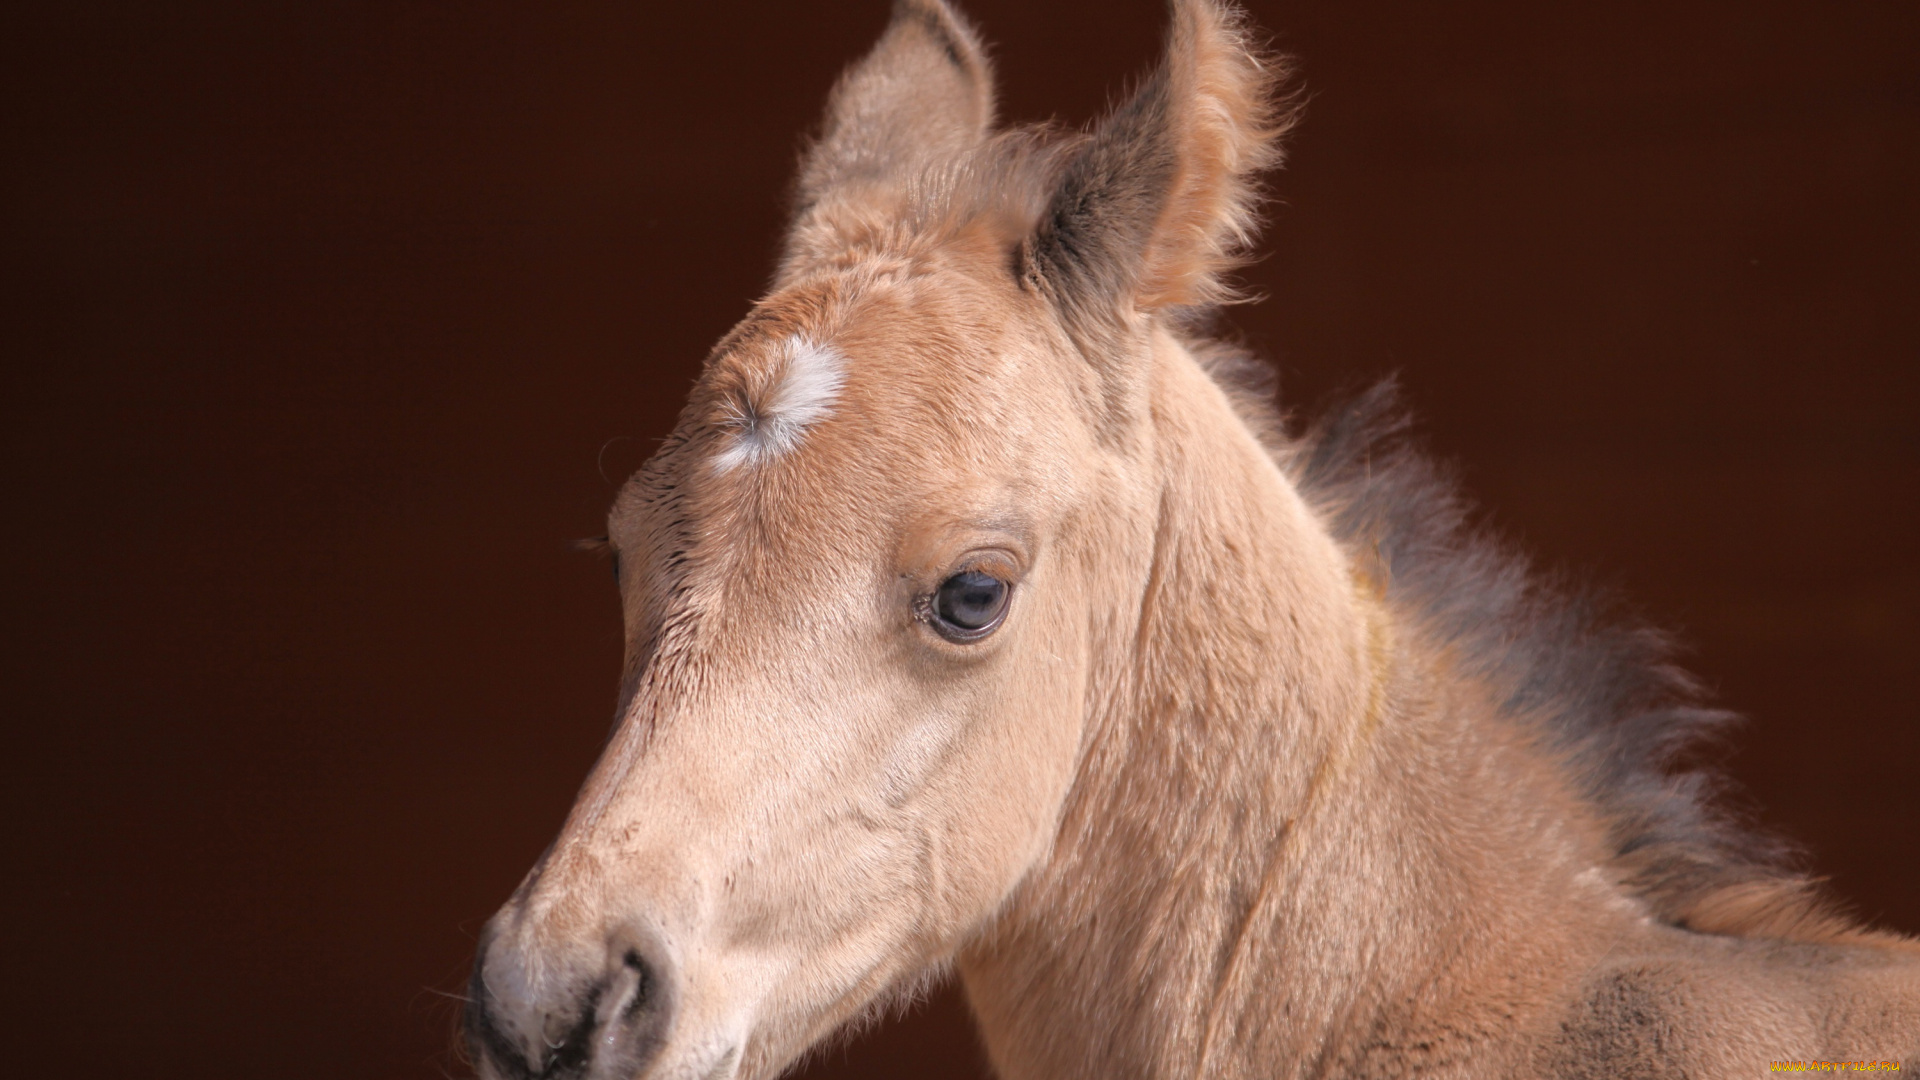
[{"x": 600, "y": 545}]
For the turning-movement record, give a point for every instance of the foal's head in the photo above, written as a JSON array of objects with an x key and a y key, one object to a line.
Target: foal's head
[{"x": 868, "y": 578}]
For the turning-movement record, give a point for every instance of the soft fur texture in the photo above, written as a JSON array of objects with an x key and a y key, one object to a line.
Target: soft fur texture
[
  {"x": 1274, "y": 767},
  {"x": 770, "y": 421},
  {"x": 1597, "y": 686}
]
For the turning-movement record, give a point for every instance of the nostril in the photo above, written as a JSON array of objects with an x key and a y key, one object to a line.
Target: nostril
[
  {"x": 632, "y": 989},
  {"x": 628, "y": 991},
  {"x": 575, "y": 1048},
  {"x": 522, "y": 1036},
  {"x": 572, "y": 1021},
  {"x": 643, "y": 982},
  {"x": 637, "y": 1003}
]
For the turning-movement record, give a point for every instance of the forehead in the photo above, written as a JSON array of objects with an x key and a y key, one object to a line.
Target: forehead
[{"x": 845, "y": 395}]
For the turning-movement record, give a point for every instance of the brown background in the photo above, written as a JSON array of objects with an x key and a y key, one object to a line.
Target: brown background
[{"x": 327, "y": 326}]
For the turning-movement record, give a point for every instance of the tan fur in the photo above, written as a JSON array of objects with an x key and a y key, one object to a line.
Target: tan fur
[
  {"x": 1230, "y": 119},
  {"x": 1209, "y": 803}
]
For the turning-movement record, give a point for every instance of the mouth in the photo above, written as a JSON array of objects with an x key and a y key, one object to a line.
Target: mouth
[
  {"x": 604, "y": 1059},
  {"x": 714, "y": 1057}
]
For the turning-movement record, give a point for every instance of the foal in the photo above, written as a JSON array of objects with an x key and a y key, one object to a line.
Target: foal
[{"x": 974, "y": 618}]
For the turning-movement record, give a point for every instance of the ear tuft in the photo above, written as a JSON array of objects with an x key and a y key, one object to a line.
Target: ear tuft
[
  {"x": 1158, "y": 204},
  {"x": 923, "y": 95}
]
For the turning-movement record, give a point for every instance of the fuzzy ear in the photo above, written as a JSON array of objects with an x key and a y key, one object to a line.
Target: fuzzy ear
[
  {"x": 1158, "y": 204},
  {"x": 924, "y": 94}
]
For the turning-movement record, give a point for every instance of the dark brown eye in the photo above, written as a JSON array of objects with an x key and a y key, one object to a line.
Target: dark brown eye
[{"x": 968, "y": 605}]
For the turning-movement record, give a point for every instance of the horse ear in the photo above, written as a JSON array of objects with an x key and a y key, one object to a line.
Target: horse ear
[
  {"x": 924, "y": 93},
  {"x": 1158, "y": 203}
]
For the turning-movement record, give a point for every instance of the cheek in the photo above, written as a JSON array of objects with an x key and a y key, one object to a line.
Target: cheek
[
  {"x": 1005, "y": 781},
  {"x": 917, "y": 756}
]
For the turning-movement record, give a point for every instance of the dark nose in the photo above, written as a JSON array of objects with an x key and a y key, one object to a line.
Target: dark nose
[{"x": 608, "y": 1021}]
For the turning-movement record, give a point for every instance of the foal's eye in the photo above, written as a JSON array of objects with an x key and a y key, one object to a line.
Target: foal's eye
[{"x": 968, "y": 605}]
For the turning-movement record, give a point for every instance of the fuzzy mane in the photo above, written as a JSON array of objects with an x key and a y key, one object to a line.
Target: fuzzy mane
[{"x": 1599, "y": 688}]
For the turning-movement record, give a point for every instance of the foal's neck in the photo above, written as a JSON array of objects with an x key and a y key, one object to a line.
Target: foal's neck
[{"x": 1279, "y": 839}]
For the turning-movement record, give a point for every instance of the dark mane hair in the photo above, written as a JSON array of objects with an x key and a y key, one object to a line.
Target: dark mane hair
[{"x": 1599, "y": 687}]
